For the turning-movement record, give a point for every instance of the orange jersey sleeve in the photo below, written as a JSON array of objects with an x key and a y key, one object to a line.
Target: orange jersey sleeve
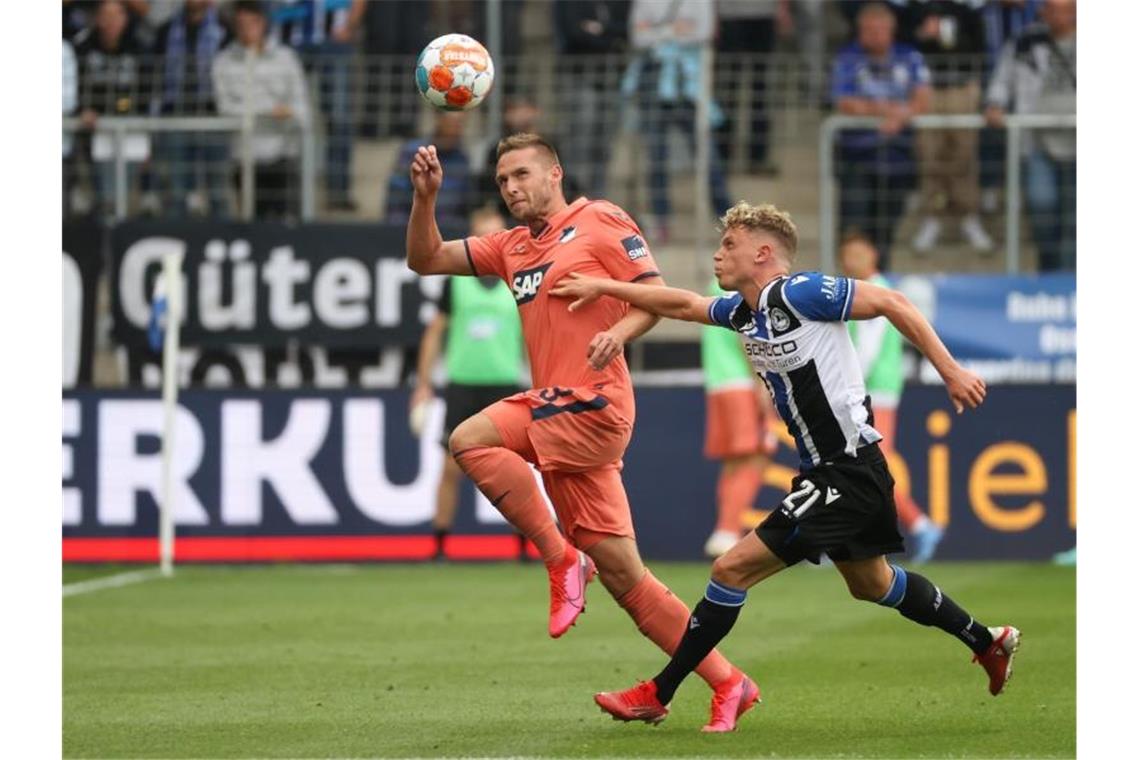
[
  {"x": 486, "y": 253},
  {"x": 622, "y": 249}
]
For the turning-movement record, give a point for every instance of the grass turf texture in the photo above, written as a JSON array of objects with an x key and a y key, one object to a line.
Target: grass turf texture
[{"x": 454, "y": 660}]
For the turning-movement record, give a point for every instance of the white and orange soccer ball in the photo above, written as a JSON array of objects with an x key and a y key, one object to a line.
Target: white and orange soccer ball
[{"x": 454, "y": 72}]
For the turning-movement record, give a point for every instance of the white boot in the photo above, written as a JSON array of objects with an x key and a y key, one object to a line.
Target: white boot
[
  {"x": 720, "y": 542},
  {"x": 927, "y": 234},
  {"x": 975, "y": 234}
]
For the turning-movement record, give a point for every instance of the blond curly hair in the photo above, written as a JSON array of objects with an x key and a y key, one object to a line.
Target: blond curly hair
[{"x": 767, "y": 218}]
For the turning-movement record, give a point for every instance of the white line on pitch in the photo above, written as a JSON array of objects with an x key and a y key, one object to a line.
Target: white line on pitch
[{"x": 111, "y": 581}]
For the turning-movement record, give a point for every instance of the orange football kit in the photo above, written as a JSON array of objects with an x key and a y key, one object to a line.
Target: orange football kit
[{"x": 577, "y": 422}]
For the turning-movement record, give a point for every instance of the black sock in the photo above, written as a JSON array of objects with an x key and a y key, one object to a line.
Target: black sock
[
  {"x": 919, "y": 600},
  {"x": 440, "y": 535},
  {"x": 712, "y": 619}
]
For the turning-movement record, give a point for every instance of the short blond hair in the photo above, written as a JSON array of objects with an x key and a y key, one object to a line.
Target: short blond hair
[
  {"x": 766, "y": 218},
  {"x": 521, "y": 140}
]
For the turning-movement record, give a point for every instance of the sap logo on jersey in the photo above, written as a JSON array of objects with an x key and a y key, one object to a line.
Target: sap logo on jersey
[
  {"x": 635, "y": 247},
  {"x": 527, "y": 282}
]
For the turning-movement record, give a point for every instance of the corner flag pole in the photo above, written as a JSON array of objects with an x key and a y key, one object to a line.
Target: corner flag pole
[{"x": 172, "y": 276}]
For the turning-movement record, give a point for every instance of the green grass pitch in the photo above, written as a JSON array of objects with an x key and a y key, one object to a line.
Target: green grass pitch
[{"x": 454, "y": 660}]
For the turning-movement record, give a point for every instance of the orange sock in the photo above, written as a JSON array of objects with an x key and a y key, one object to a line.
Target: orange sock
[
  {"x": 507, "y": 481},
  {"x": 662, "y": 618},
  {"x": 735, "y": 491}
]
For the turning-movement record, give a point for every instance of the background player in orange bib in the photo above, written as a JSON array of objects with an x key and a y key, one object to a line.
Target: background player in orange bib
[{"x": 576, "y": 423}]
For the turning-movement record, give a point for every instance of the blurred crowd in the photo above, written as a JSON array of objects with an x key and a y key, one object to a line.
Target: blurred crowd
[{"x": 341, "y": 68}]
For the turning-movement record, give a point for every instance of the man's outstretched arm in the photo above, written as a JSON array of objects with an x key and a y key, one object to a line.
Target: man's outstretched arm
[
  {"x": 674, "y": 303},
  {"x": 427, "y": 252},
  {"x": 964, "y": 387}
]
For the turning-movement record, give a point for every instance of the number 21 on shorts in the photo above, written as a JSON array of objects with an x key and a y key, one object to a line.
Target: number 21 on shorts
[{"x": 803, "y": 498}]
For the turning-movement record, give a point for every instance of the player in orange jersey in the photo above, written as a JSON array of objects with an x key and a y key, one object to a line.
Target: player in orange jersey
[{"x": 576, "y": 423}]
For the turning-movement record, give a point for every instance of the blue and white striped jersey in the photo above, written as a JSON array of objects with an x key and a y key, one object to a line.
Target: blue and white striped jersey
[{"x": 798, "y": 344}]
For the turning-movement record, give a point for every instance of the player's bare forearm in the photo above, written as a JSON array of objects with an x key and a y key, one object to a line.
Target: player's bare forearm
[
  {"x": 872, "y": 301},
  {"x": 638, "y": 321},
  {"x": 423, "y": 237},
  {"x": 965, "y": 388},
  {"x": 909, "y": 321},
  {"x": 664, "y": 301},
  {"x": 635, "y": 324},
  {"x": 661, "y": 300}
]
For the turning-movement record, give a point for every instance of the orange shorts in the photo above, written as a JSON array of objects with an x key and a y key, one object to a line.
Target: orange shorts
[
  {"x": 576, "y": 438},
  {"x": 733, "y": 425}
]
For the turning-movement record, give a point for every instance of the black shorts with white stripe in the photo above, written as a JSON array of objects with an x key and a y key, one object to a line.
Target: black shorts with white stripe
[{"x": 844, "y": 508}]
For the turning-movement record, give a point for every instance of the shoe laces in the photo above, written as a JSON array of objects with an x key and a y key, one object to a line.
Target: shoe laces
[
  {"x": 640, "y": 694},
  {"x": 557, "y": 586},
  {"x": 720, "y": 701}
]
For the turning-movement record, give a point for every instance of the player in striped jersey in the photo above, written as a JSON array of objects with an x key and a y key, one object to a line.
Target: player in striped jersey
[{"x": 841, "y": 503}]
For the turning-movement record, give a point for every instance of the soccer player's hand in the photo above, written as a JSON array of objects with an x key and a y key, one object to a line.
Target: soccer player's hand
[
  {"x": 418, "y": 408},
  {"x": 603, "y": 348},
  {"x": 585, "y": 289},
  {"x": 965, "y": 388},
  {"x": 427, "y": 172}
]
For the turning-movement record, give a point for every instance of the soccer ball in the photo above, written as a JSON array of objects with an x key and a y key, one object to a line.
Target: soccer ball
[{"x": 454, "y": 72}]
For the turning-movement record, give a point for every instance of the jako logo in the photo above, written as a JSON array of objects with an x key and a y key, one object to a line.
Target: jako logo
[{"x": 527, "y": 282}]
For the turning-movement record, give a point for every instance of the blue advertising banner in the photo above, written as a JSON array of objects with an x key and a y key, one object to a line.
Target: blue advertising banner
[
  {"x": 271, "y": 476},
  {"x": 1008, "y": 329}
]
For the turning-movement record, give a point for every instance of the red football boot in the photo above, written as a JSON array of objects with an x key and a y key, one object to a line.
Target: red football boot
[
  {"x": 998, "y": 659},
  {"x": 636, "y": 703},
  {"x": 731, "y": 699},
  {"x": 568, "y": 591}
]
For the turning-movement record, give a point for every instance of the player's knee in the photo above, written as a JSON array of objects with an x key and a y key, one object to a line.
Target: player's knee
[
  {"x": 870, "y": 589},
  {"x": 729, "y": 569},
  {"x": 465, "y": 436},
  {"x": 619, "y": 580}
]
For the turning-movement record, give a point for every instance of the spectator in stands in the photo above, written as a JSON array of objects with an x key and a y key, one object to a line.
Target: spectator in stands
[
  {"x": 256, "y": 74},
  {"x": 876, "y": 76},
  {"x": 589, "y": 36},
  {"x": 186, "y": 46},
  {"x": 1003, "y": 20},
  {"x": 158, "y": 13},
  {"x": 747, "y": 35},
  {"x": 80, "y": 14},
  {"x": 951, "y": 37},
  {"x": 1037, "y": 73},
  {"x": 666, "y": 76},
  {"x": 323, "y": 32},
  {"x": 809, "y": 19},
  {"x": 113, "y": 81},
  {"x": 454, "y": 199},
  {"x": 395, "y": 32}
]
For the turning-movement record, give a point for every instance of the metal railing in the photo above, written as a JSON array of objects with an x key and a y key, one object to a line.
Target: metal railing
[
  {"x": 118, "y": 127},
  {"x": 1014, "y": 124}
]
